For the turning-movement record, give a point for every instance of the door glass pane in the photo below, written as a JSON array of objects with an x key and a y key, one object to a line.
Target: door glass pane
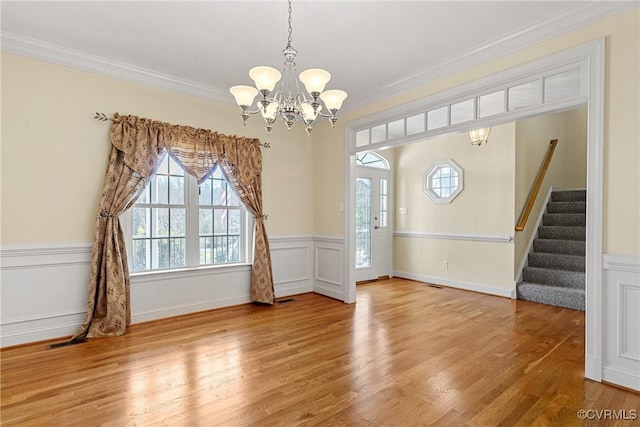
[
  {"x": 363, "y": 222},
  {"x": 383, "y": 202}
]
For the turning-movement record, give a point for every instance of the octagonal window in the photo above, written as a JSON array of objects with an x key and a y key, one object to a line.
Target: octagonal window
[{"x": 443, "y": 181}]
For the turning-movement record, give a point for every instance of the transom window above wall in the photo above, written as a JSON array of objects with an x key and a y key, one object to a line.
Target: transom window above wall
[
  {"x": 486, "y": 105},
  {"x": 371, "y": 160},
  {"x": 443, "y": 181}
]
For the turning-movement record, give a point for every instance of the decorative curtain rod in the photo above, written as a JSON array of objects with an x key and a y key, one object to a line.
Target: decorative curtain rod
[{"x": 103, "y": 118}]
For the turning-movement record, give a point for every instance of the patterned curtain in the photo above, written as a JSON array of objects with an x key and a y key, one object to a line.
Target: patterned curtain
[{"x": 138, "y": 146}]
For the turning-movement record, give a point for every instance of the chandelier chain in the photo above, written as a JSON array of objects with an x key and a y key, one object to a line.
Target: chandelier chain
[{"x": 289, "y": 39}]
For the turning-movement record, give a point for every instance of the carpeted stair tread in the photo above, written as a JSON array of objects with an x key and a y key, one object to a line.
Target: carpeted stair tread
[
  {"x": 558, "y": 246},
  {"x": 557, "y": 261},
  {"x": 567, "y": 207},
  {"x": 561, "y": 232},
  {"x": 569, "y": 196},
  {"x": 552, "y": 295},
  {"x": 549, "y": 276}
]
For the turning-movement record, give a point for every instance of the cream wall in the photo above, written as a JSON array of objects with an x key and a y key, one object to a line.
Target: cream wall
[
  {"x": 568, "y": 167},
  {"x": 622, "y": 130},
  {"x": 486, "y": 203},
  {"x": 54, "y": 154},
  {"x": 484, "y": 207}
]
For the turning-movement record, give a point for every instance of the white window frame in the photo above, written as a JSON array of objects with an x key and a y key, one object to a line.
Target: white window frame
[
  {"x": 192, "y": 257},
  {"x": 427, "y": 182}
]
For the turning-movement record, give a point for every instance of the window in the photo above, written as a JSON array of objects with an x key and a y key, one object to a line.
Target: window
[
  {"x": 176, "y": 223},
  {"x": 443, "y": 181},
  {"x": 371, "y": 160}
]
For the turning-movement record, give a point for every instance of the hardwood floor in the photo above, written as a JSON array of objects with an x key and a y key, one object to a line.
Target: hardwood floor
[{"x": 405, "y": 354}]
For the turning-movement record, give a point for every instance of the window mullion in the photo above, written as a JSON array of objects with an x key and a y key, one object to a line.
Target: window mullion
[{"x": 192, "y": 205}]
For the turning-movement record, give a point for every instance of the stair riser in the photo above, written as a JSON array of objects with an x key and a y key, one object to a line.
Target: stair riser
[
  {"x": 567, "y": 279},
  {"x": 569, "y": 247},
  {"x": 562, "y": 233},
  {"x": 569, "y": 298},
  {"x": 569, "y": 196},
  {"x": 567, "y": 207},
  {"x": 557, "y": 261},
  {"x": 568, "y": 220}
]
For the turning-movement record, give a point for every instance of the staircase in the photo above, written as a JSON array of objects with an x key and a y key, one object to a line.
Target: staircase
[{"x": 556, "y": 271}]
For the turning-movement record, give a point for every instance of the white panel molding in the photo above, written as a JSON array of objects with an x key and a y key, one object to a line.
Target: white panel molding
[
  {"x": 458, "y": 284},
  {"x": 627, "y": 324},
  {"x": 292, "y": 259},
  {"x": 329, "y": 261},
  {"x": 30, "y": 256},
  {"x": 79, "y": 60},
  {"x": 626, "y": 263},
  {"x": 623, "y": 377},
  {"x": 455, "y": 236},
  {"x": 621, "y": 320}
]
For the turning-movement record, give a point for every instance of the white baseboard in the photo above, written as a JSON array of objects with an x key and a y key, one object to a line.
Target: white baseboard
[
  {"x": 328, "y": 291},
  {"x": 467, "y": 286},
  {"x": 621, "y": 377}
]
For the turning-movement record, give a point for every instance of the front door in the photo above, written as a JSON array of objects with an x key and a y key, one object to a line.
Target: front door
[{"x": 372, "y": 224}]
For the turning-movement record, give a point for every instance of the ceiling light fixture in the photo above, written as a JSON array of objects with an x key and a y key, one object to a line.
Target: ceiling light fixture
[
  {"x": 288, "y": 102},
  {"x": 479, "y": 136}
]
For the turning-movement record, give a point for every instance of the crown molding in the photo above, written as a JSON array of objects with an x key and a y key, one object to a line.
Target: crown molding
[
  {"x": 60, "y": 55},
  {"x": 582, "y": 15}
]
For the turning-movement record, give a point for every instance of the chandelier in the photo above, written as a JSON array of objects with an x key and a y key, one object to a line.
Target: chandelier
[
  {"x": 479, "y": 136},
  {"x": 288, "y": 102}
]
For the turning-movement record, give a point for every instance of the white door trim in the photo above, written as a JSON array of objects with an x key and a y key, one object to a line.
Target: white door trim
[{"x": 592, "y": 55}]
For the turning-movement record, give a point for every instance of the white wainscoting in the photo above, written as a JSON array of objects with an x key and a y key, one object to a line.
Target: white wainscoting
[
  {"x": 621, "y": 364},
  {"x": 44, "y": 287},
  {"x": 43, "y": 291},
  {"x": 329, "y": 274}
]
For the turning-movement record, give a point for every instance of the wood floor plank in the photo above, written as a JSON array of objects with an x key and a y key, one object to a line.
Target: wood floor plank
[{"x": 405, "y": 354}]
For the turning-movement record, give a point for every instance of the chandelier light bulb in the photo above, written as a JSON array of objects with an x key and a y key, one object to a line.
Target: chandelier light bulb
[
  {"x": 333, "y": 99},
  {"x": 244, "y": 95},
  {"x": 314, "y": 80},
  {"x": 269, "y": 113},
  {"x": 309, "y": 113},
  {"x": 265, "y": 78}
]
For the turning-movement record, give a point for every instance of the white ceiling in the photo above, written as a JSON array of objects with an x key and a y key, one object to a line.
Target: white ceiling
[{"x": 366, "y": 45}]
